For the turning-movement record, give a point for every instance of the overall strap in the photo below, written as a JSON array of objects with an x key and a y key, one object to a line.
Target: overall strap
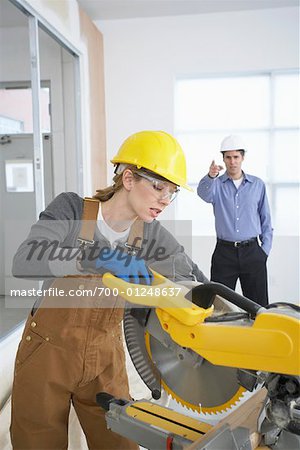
[
  {"x": 135, "y": 238},
  {"x": 88, "y": 221}
]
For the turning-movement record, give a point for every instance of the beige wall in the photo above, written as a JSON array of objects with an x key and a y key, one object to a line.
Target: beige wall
[{"x": 94, "y": 44}]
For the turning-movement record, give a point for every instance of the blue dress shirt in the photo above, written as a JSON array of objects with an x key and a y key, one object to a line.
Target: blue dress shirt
[{"x": 242, "y": 213}]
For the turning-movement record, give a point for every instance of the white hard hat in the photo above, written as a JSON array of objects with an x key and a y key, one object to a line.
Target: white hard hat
[{"x": 232, "y": 142}]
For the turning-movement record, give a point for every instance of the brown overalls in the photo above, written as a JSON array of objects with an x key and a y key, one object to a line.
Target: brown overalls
[{"x": 68, "y": 355}]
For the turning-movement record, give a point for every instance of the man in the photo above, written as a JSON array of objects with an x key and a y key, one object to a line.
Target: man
[{"x": 242, "y": 222}]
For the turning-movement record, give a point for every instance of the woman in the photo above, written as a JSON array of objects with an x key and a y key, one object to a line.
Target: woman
[{"x": 71, "y": 347}]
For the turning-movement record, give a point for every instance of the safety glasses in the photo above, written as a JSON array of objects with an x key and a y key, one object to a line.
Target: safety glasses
[{"x": 163, "y": 188}]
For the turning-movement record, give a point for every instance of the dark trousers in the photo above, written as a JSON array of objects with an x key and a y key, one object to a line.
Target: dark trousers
[{"x": 248, "y": 263}]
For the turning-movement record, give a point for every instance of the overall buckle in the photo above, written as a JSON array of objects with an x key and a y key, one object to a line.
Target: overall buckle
[
  {"x": 83, "y": 243},
  {"x": 131, "y": 249}
]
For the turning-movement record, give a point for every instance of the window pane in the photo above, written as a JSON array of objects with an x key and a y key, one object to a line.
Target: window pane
[
  {"x": 286, "y": 156},
  {"x": 286, "y": 216},
  {"x": 257, "y": 161},
  {"x": 224, "y": 103},
  {"x": 286, "y": 105},
  {"x": 16, "y": 110}
]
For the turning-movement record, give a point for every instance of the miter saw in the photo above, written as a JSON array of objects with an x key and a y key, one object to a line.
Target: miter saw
[{"x": 206, "y": 360}]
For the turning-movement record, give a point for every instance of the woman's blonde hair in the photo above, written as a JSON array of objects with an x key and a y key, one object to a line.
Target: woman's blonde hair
[{"x": 105, "y": 194}]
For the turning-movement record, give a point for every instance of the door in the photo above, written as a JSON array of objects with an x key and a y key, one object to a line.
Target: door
[{"x": 17, "y": 200}]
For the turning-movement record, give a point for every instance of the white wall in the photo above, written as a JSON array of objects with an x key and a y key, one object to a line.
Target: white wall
[{"x": 144, "y": 56}]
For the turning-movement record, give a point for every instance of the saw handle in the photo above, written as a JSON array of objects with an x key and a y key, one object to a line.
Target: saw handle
[
  {"x": 203, "y": 295},
  {"x": 104, "y": 399}
]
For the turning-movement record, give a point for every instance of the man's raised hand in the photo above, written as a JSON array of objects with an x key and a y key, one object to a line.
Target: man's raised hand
[{"x": 214, "y": 169}]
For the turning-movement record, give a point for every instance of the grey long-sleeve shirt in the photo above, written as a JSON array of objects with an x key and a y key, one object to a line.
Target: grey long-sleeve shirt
[{"x": 52, "y": 247}]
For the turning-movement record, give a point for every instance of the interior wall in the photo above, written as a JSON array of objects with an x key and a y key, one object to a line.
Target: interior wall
[
  {"x": 97, "y": 161},
  {"x": 142, "y": 58}
]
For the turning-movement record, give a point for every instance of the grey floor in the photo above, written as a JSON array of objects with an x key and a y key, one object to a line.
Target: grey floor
[{"x": 12, "y": 312}]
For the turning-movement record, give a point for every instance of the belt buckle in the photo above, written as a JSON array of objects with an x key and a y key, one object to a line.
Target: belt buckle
[{"x": 237, "y": 244}]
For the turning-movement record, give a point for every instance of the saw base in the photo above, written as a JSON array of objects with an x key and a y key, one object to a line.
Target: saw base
[
  {"x": 153, "y": 426},
  {"x": 158, "y": 428}
]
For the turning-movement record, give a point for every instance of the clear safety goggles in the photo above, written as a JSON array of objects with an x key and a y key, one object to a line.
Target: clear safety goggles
[{"x": 163, "y": 188}]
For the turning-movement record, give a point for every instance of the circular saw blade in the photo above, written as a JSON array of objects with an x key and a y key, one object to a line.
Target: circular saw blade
[{"x": 192, "y": 380}]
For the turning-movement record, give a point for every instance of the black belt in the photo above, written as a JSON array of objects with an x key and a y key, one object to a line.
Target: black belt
[{"x": 238, "y": 244}]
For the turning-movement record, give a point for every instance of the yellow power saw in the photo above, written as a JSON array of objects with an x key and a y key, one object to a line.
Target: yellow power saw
[{"x": 206, "y": 359}]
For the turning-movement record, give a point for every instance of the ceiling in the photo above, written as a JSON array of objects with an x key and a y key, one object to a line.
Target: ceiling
[{"x": 128, "y": 9}]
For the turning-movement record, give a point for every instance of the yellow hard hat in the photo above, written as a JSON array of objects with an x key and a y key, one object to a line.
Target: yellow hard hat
[{"x": 157, "y": 151}]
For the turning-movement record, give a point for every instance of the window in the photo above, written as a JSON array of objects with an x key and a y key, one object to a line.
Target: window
[
  {"x": 16, "y": 109},
  {"x": 264, "y": 110}
]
